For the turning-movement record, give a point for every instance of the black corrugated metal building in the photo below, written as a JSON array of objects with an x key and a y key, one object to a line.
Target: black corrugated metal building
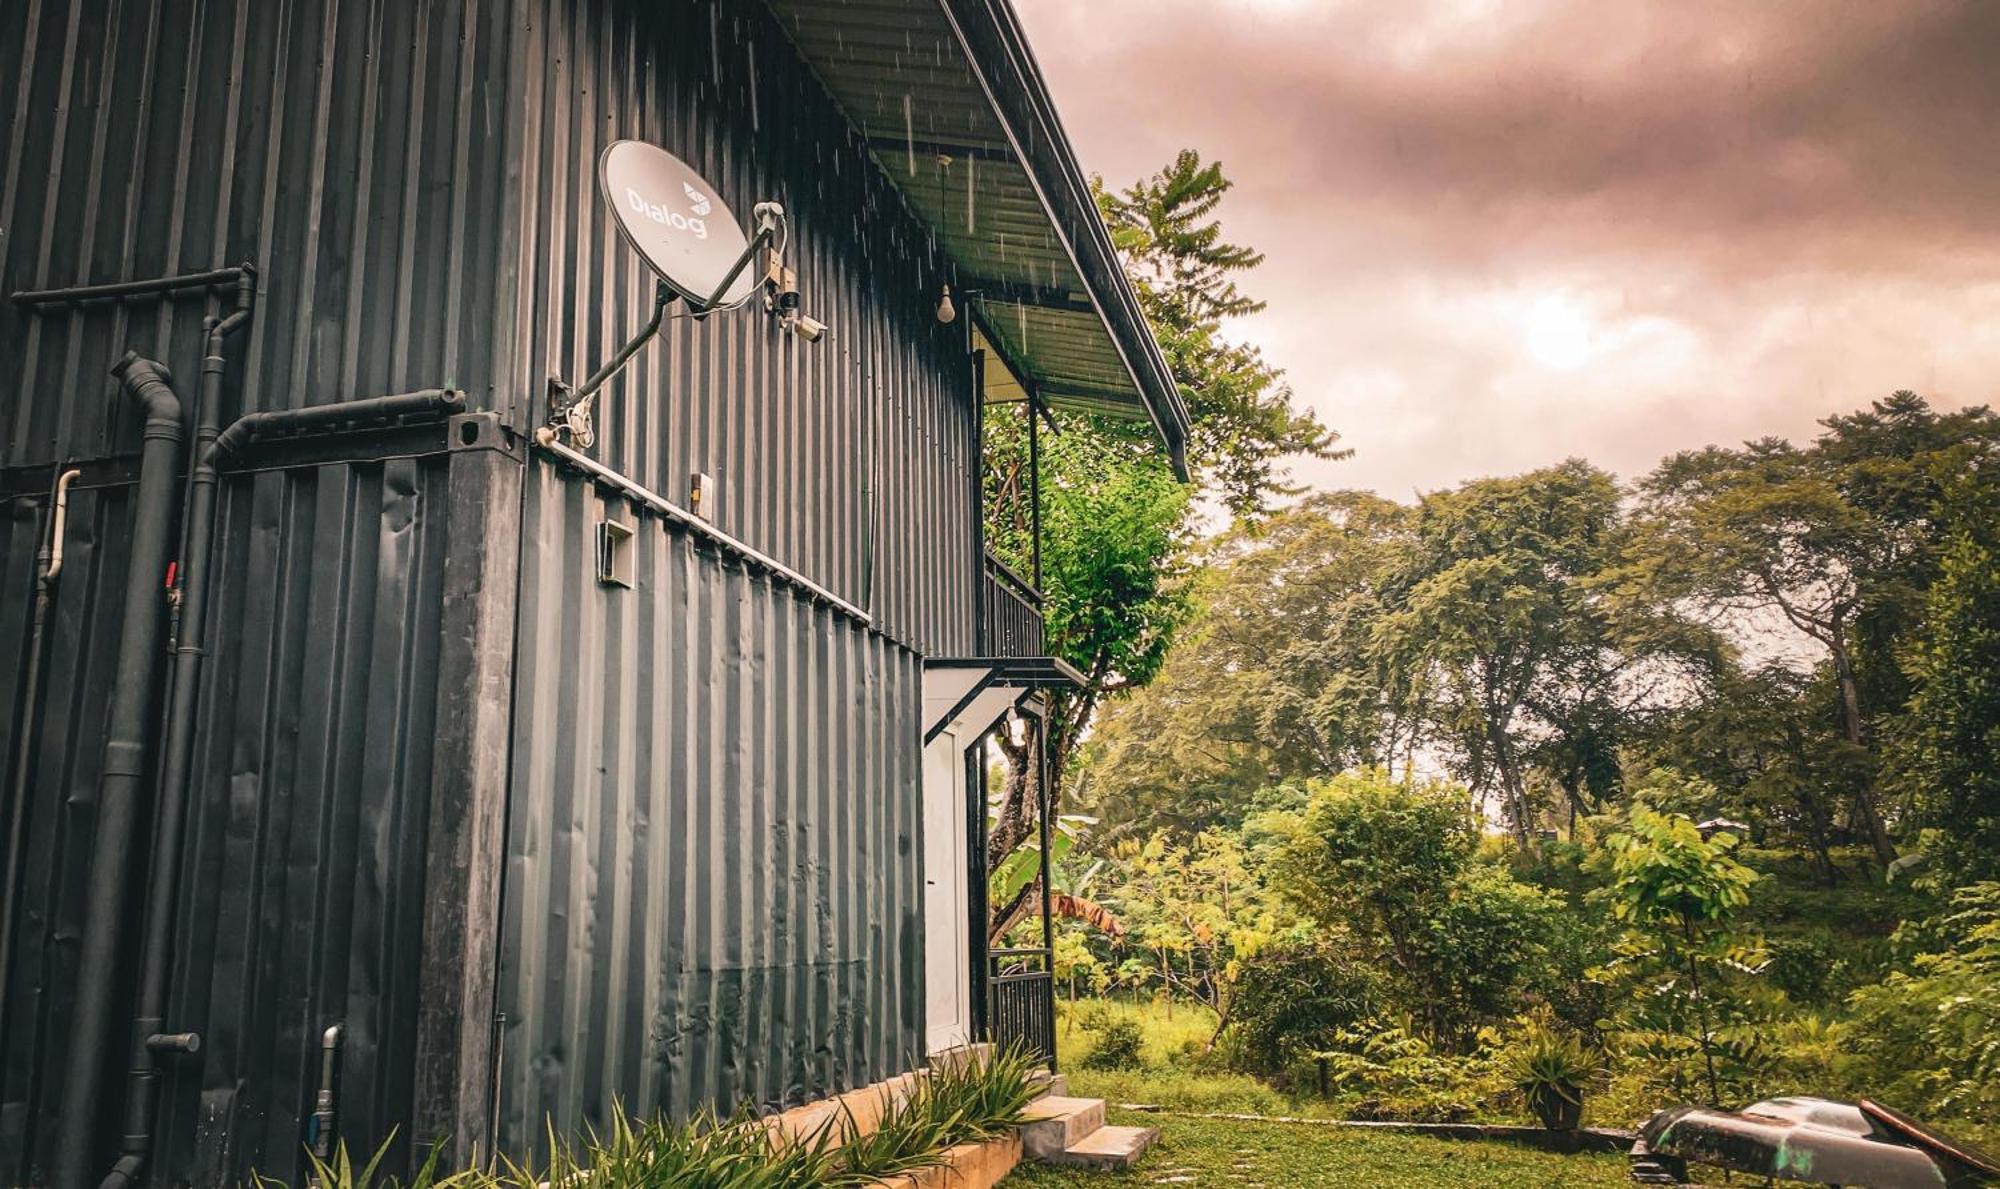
[{"x": 535, "y": 841}]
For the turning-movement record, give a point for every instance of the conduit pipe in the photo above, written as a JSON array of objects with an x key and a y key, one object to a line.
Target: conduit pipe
[
  {"x": 48, "y": 566},
  {"x": 124, "y": 767},
  {"x": 149, "y": 1042},
  {"x": 545, "y": 437}
]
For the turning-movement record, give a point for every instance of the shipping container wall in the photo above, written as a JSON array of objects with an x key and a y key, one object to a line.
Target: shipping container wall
[
  {"x": 351, "y": 152},
  {"x": 306, "y": 826},
  {"x": 849, "y": 459},
  {"x": 713, "y": 890}
]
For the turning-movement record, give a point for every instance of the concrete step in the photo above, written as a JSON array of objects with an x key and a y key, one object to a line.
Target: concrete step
[
  {"x": 1056, "y": 1122},
  {"x": 1109, "y": 1149},
  {"x": 1046, "y": 1083}
]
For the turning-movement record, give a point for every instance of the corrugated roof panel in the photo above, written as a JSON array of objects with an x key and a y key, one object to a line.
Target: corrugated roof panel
[{"x": 901, "y": 71}]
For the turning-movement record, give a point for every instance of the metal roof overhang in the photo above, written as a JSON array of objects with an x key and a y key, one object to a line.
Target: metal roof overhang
[
  {"x": 953, "y": 108},
  {"x": 970, "y": 693}
]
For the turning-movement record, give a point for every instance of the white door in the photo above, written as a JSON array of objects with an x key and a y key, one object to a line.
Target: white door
[{"x": 947, "y": 902}]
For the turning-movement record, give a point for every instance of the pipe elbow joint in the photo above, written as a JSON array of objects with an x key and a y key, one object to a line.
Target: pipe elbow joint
[
  {"x": 125, "y": 1173},
  {"x": 151, "y": 384}
]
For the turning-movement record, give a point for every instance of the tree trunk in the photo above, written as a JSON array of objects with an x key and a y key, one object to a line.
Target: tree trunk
[
  {"x": 1864, "y": 792},
  {"x": 1016, "y": 817},
  {"x": 1810, "y": 804}
]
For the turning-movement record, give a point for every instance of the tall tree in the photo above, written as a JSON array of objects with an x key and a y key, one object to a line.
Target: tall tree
[
  {"x": 1500, "y": 636},
  {"x": 1244, "y": 422},
  {"x": 1272, "y": 679},
  {"x": 1116, "y": 533},
  {"x": 1822, "y": 542},
  {"x": 1948, "y": 750}
]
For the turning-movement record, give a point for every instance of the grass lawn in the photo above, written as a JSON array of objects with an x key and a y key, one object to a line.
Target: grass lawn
[{"x": 1194, "y": 1151}]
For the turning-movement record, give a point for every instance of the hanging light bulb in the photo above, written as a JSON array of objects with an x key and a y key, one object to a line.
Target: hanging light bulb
[{"x": 946, "y": 311}]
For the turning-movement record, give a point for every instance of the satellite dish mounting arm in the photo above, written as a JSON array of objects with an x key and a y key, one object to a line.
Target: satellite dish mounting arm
[{"x": 570, "y": 409}]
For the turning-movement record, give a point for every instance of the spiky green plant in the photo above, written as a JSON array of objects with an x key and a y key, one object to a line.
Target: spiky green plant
[{"x": 1550, "y": 1067}]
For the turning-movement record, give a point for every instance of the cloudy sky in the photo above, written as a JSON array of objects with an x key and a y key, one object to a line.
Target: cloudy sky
[{"x": 1504, "y": 233}]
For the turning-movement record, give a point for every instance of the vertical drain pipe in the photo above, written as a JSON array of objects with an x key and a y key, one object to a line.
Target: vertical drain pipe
[
  {"x": 148, "y": 1042},
  {"x": 324, "y": 1131},
  {"x": 153, "y": 507},
  {"x": 48, "y": 565}
]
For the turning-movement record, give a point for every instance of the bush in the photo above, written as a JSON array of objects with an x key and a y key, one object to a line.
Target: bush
[
  {"x": 1295, "y": 1000},
  {"x": 1395, "y": 867},
  {"x": 1550, "y": 1068},
  {"x": 1118, "y": 1042},
  {"x": 1392, "y": 1074},
  {"x": 1926, "y": 1039},
  {"x": 954, "y": 1104},
  {"x": 1802, "y": 967}
]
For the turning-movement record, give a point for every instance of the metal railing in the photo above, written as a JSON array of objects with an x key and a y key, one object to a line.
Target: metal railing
[
  {"x": 1021, "y": 1002},
  {"x": 1013, "y": 613}
]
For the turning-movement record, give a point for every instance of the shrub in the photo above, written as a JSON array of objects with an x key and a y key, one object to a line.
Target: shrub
[
  {"x": 954, "y": 1104},
  {"x": 1119, "y": 1040},
  {"x": 1299, "y": 999},
  {"x": 1393, "y": 1074},
  {"x": 1395, "y": 867},
  {"x": 1550, "y": 1068},
  {"x": 1928, "y": 1038},
  {"x": 1801, "y": 967}
]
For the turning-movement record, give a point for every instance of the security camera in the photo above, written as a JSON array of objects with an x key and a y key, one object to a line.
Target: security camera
[{"x": 809, "y": 329}]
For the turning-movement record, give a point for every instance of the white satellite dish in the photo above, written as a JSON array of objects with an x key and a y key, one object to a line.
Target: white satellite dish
[
  {"x": 675, "y": 220},
  {"x": 670, "y": 215}
]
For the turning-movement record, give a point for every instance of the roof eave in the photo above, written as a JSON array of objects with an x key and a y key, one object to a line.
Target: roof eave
[{"x": 990, "y": 35}]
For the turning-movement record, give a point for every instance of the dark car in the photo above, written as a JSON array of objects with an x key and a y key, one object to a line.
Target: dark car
[{"x": 1808, "y": 1139}]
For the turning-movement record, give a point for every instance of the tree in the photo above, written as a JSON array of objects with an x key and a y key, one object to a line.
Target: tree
[
  {"x": 1114, "y": 594},
  {"x": 1500, "y": 637},
  {"x": 1760, "y": 737},
  {"x": 1391, "y": 867},
  {"x": 1947, "y": 753},
  {"x": 1834, "y": 542},
  {"x": 1678, "y": 891},
  {"x": 1243, "y": 420},
  {"x": 1116, "y": 526},
  {"x": 1272, "y": 678},
  {"x": 1198, "y": 911}
]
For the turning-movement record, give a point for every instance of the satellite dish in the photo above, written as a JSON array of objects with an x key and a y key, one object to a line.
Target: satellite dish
[{"x": 675, "y": 220}]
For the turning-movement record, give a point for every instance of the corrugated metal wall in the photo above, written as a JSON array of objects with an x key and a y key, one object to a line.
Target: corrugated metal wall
[
  {"x": 306, "y": 842},
  {"x": 714, "y": 889},
  {"x": 414, "y": 183},
  {"x": 350, "y": 151},
  {"x": 82, "y": 644},
  {"x": 306, "y": 830},
  {"x": 821, "y": 452}
]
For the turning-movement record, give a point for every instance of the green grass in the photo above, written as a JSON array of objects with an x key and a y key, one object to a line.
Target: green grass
[
  {"x": 1224, "y": 1152},
  {"x": 1173, "y": 1075}
]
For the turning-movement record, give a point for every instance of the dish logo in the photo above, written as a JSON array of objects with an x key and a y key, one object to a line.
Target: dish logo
[{"x": 659, "y": 214}]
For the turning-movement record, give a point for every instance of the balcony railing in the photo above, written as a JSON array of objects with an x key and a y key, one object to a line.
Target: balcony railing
[{"x": 1013, "y": 614}]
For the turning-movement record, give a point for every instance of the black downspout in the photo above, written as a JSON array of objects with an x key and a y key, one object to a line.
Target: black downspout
[
  {"x": 125, "y": 766},
  {"x": 981, "y": 645},
  {"x": 148, "y": 1041},
  {"x": 48, "y": 566}
]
